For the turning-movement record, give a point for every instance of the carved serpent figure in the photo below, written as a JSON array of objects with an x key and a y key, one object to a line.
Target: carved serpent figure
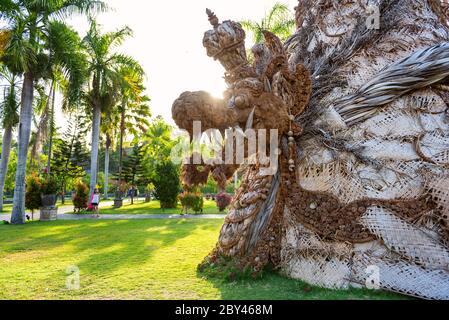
[{"x": 362, "y": 117}]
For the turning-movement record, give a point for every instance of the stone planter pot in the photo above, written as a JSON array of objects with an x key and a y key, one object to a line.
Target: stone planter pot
[
  {"x": 48, "y": 214},
  {"x": 118, "y": 203},
  {"x": 48, "y": 200}
]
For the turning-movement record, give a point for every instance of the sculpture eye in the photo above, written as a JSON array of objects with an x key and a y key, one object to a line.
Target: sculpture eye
[{"x": 241, "y": 101}]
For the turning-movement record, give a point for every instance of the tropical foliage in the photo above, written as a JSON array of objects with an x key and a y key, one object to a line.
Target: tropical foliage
[
  {"x": 46, "y": 66},
  {"x": 33, "y": 192},
  {"x": 191, "y": 199},
  {"x": 9, "y": 118},
  {"x": 105, "y": 77},
  {"x": 166, "y": 183},
  {"x": 279, "y": 20},
  {"x": 39, "y": 42},
  {"x": 81, "y": 196},
  {"x": 70, "y": 156},
  {"x": 133, "y": 171}
]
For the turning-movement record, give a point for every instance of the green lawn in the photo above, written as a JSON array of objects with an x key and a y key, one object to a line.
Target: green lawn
[
  {"x": 153, "y": 207},
  {"x": 132, "y": 259},
  {"x": 7, "y": 208}
]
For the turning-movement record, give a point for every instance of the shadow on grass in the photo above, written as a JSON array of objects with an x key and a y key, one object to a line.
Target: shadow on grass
[
  {"x": 107, "y": 246},
  {"x": 118, "y": 242},
  {"x": 272, "y": 285}
]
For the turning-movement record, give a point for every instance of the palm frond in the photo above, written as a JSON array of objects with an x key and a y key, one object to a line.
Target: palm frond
[
  {"x": 423, "y": 68},
  {"x": 87, "y": 7}
]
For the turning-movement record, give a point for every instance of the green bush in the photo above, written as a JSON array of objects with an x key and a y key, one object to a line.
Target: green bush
[
  {"x": 166, "y": 184},
  {"x": 191, "y": 200},
  {"x": 49, "y": 185},
  {"x": 81, "y": 198},
  {"x": 33, "y": 192}
]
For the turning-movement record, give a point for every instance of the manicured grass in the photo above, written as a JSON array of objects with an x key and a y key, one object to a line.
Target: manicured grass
[
  {"x": 153, "y": 207},
  {"x": 132, "y": 259}
]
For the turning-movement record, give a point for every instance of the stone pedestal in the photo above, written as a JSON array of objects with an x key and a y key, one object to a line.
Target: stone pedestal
[
  {"x": 49, "y": 214},
  {"x": 118, "y": 203}
]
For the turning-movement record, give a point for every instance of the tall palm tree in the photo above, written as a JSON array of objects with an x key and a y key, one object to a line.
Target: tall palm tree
[
  {"x": 134, "y": 110},
  {"x": 41, "y": 103},
  {"x": 105, "y": 80},
  {"x": 279, "y": 20},
  {"x": 67, "y": 72},
  {"x": 9, "y": 116},
  {"x": 108, "y": 129},
  {"x": 28, "y": 51}
]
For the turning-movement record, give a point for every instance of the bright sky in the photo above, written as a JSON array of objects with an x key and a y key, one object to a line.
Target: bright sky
[{"x": 168, "y": 42}]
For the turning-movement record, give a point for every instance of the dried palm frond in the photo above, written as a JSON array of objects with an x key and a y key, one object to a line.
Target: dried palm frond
[{"x": 421, "y": 69}]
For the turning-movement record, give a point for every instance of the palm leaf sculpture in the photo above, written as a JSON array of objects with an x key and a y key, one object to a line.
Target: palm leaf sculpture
[{"x": 363, "y": 125}]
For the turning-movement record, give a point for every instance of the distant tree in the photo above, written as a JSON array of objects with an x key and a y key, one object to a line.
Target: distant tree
[
  {"x": 157, "y": 144},
  {"x": 11, "y": 174},
  {"x": 70, "y": 156},
  {"x": 133, "y": 171},
  {"x": 9, "y": 118},
  {"x": 166, "y": 183},
  {"x": 279, "y": 20},
  {"x": 129, "y": 116},
  {"x": 105, "y": 80},
  {"x": 210, "y": 186}
]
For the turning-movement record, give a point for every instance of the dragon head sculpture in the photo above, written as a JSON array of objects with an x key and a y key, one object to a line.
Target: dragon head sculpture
[{"x": 265, "y": 94}]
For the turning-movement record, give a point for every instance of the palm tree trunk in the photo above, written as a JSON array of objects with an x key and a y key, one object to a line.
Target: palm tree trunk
[
  {"x": 50, "y": 132},
  {"x": 95, "y": 144},
  {"x": 122, "y": 132},
  {"x": 26, "y": 115},
  {"x": 106, "y": 167},
  {"x": 42, "y": 130},
  {"x": 63, "y": 194},
  {"x": 6, "y": 149}
]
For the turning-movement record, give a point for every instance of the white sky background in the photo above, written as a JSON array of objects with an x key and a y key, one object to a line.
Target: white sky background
[{"x": 168, "y": 42}]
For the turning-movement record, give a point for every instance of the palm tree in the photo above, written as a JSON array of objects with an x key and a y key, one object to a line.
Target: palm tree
[
  {"x": 130, "y": 117},
  {"x": 158, "y": 143},
  {"x": 67, "y": 72},
  {"x": 134, "y": 110},
  {"x": 9, "y": 119},
  {"x": 105, "y": 80},
  {"x": 41, "y": 117},
  {"x": 28, "y": 51},
  {"x": 109, "y": 130},
  {"x": 279, "y": 20}
]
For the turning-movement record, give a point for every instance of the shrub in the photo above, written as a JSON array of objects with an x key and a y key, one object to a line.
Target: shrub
[
  {"x": 81, "y": 197},
  {"x": 191, "y": 200},
  {"x": 223, "y": 200},
  {"x": 49, "y": 185},
  {"x": 149, "y": 191},
  {"x": 166, "y": 184},
  {"x": 33, "y": 192}
]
